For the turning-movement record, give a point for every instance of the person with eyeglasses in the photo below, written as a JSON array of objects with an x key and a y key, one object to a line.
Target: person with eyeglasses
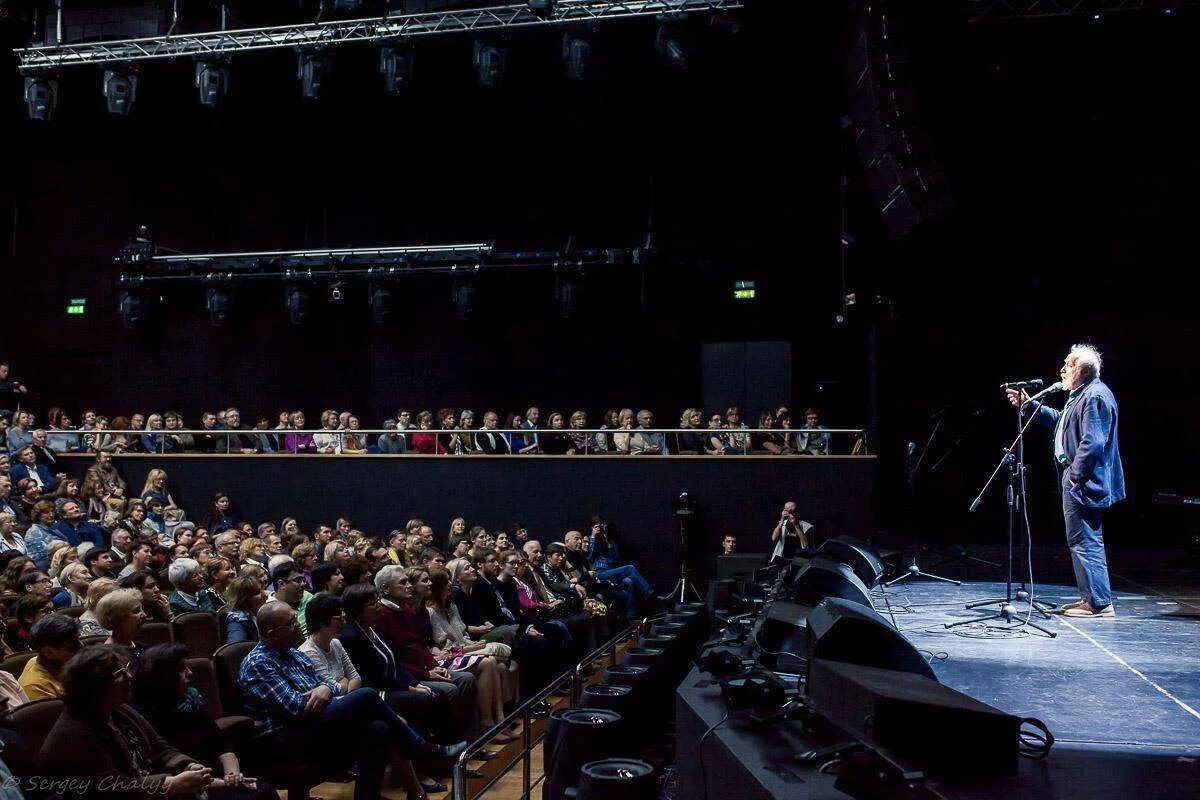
[
  {"x": 311, "y": 720},
  {"x": 103, "y": 741}
]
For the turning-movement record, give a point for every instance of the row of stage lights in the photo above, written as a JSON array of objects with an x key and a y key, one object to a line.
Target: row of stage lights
[
  {"x": 133, "y": 307},
  {"x": 314, "y": 64}
]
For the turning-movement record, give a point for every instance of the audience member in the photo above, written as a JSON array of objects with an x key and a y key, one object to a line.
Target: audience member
[
  {"x": 813, "y": 439},
  {"x": 243, "y": 599},
  {"x": 190, "y": 593},
  {"x": 55, "y": 639}
]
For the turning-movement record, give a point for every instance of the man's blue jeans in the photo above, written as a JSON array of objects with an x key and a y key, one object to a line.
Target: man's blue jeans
[{"x": 1085, "y": 538}]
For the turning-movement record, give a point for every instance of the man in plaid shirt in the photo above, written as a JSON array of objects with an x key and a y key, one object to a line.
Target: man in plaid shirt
[{"x": 312, "y": 721}]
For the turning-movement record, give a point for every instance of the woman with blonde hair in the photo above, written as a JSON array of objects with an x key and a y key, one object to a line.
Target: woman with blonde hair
[
  {"x": 156, "y": 486},
  {"x": 220, "y": 574},
  {"x": 251, "y": 549},
  {"x": 89, "y": 625},
  {"x": 328, "y": 440},
  {"x": 61, "y": 558}
]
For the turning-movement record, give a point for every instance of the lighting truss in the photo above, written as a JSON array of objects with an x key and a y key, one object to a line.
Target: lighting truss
[
  {"x": 371, "y": 263},
  {"x": 981, "y": 10},
  {"x": 222, "y": 43}
]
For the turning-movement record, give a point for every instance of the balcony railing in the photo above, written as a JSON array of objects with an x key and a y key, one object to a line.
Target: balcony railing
[{"x": 586, "y": 441}]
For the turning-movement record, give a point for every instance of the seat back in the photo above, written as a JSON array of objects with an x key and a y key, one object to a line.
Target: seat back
[
  {"x": 99, "y": 638},
  {"x": 228, "y": 661},
  {"x": 198, "y": 631},
  {"x": 15, "y": 663},
  {"x": 204, "y": 678},
  {"x": 152, "y": 633},
  {"x": 34, "y": 721},
  {"x": 73, "y": 611}
]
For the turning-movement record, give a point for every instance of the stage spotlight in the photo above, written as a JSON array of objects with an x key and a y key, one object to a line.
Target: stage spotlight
[
  {"x": 577, "y": 53},
  {"x": 131, "y": 308},
  {"x": 299, "y": 302},
  {"x": 395, "y": 63},
  {"x": 41, "y": 95},
  {"x": 217, "y": 303},
  {"x": 542, "y": 8},
  {"x": 463, "y": 295},
  {"x": 337, "y": 292},
  {"x": 212, "y": 81},
  {"x": 120, "y": 91},
  {"x": 669, "y": 43},
  {"x": 489, "y": 64},
  {"x": 380, "y": 300},
  {"x": 313, "y": 71},
  {"x": 565, "y": 290}
]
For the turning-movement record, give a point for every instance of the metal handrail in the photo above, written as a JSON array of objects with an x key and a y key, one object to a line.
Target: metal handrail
[
  {"x": 574, "y": 677},
  {"x": 534, "y": 432}
]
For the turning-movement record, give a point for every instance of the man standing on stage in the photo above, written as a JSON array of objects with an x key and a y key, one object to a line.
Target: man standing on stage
[{"x": 1091, "y": 478}]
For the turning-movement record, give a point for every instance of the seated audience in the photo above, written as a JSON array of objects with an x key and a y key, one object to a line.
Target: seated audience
[
  {"x": 88, "y": 624},
  {"x": 243, "y": 599},
  {"x": 55, "y": 638},
  {"x": 154, "y": 602},
  {"x": 75, "y": 580},
  {"x": 141, "y": 555},
  {"x": 40, "y": 533},
  {"x": 813, "y": 439},
  {"x": 605, "y": 563},
  {"x": 74, "y": 529},
  {"x": 487, "y": 441},
  {"x": 218, "y": 573},
  {"x": 102, "y": 739},
  {"x": 481, "y": 659},
  {"x": 190, "y": 593},
  {"x": 312, "y": 721},
  {"x": 163, "y": 693},
  {"x": 120, "y": 611},
  {"x": 25, "y": 614}
]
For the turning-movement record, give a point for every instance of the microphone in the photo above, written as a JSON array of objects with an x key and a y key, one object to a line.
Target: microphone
[
  {"x": 1035, "y": 383},
  {"x": 1051, "y": 389}
]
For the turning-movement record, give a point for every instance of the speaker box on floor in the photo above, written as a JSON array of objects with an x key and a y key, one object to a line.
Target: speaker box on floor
[
  {"x": 823, "y": 577},
  {"x": 780, "y": 636},
  {"x": 860, "y": 556},
  {"x": 839, "y": 630},
  {"x": 920, "y": 722}
]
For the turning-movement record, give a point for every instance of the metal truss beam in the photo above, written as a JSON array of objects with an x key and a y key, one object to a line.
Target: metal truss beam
[
  {"x": 141, "y": 266},
  {"x": 219, "y": 44},
  {"x": 983, "y": 10}
]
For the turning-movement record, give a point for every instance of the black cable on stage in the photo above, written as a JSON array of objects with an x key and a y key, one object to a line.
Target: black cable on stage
[
  {"x": 1037, "y": 743},
  {"x": 700, "y": 751}
]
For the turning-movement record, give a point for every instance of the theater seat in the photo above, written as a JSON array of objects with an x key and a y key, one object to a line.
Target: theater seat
[
  {"x": 152, "y": 633},
  {"x": 34, "y": 721},
  {"x": 239, "y": 726},
  {"x": 72, "y": 611},
  {"x": 198, "y": 631},
  {"x": 15, "y": 663},
  {"x": 228, "y": 661}
]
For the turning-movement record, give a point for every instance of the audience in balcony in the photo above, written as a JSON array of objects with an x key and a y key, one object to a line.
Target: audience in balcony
[{"x": 813, "y": 439}]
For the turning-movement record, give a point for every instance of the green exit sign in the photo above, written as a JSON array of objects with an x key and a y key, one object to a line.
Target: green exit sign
[
  {"x": 77, "y": 307},
  {"x": 744, "y": 290}
]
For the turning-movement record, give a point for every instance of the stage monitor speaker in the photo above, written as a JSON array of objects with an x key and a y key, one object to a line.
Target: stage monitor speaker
[
  {"x": 822, "y": 577},
  {"x": 859, "y": 555},
  {"x": 780, "y": 636},
  {"x": 739, "y": 566},
  {"x": 920, "y": 722},
  {"x": 849, "y": 632}
]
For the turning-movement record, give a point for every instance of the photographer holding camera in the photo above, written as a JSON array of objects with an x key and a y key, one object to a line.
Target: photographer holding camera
[{"x": 790, "y": 535}]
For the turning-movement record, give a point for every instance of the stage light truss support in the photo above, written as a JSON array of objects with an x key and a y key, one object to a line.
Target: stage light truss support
[
  {"x": 369, "y": 263},
  {"x": 985, "y": 10},
  {"x": 219, "y": 44}
]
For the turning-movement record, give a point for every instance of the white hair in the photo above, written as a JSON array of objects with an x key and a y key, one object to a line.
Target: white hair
[
  {"x": 180, "y": 568},
  {"x": 277, "y": 559},
  {"x": 1088, "y": 358},
  {"x": 385, "y": 576}
]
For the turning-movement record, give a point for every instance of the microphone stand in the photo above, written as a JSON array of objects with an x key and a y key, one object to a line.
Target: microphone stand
[
  {"x": 912, "y": 468},
  {"x": 1014, "y": 463}
]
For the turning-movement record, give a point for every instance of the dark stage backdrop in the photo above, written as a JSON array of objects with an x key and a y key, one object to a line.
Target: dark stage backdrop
[{"x": 549, "y": 495}]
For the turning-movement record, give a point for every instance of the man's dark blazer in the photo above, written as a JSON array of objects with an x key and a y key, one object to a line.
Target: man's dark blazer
[
  {"x": 1094, "y": 474},
  {"x": 491, "y": 443}
]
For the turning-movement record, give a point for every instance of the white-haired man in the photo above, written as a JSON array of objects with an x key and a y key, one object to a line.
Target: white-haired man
[
  {"x": 190, "y": 592},
  {"x": 1091, "y": 476}
]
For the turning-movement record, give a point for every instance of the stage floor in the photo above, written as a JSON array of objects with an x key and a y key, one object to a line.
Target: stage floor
[{"x": 1121, "y": 696}]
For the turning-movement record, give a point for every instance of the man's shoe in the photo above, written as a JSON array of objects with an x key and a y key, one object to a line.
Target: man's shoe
[
  {"x": 1067, "y": 606},
  {"x": 1087, "y": 612},
  {"x": 471, "y": 772},
  {"x": 430, "y": 750},
  {"x": 433, "y": 787},
  {"x": 486, "y": 755}
]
